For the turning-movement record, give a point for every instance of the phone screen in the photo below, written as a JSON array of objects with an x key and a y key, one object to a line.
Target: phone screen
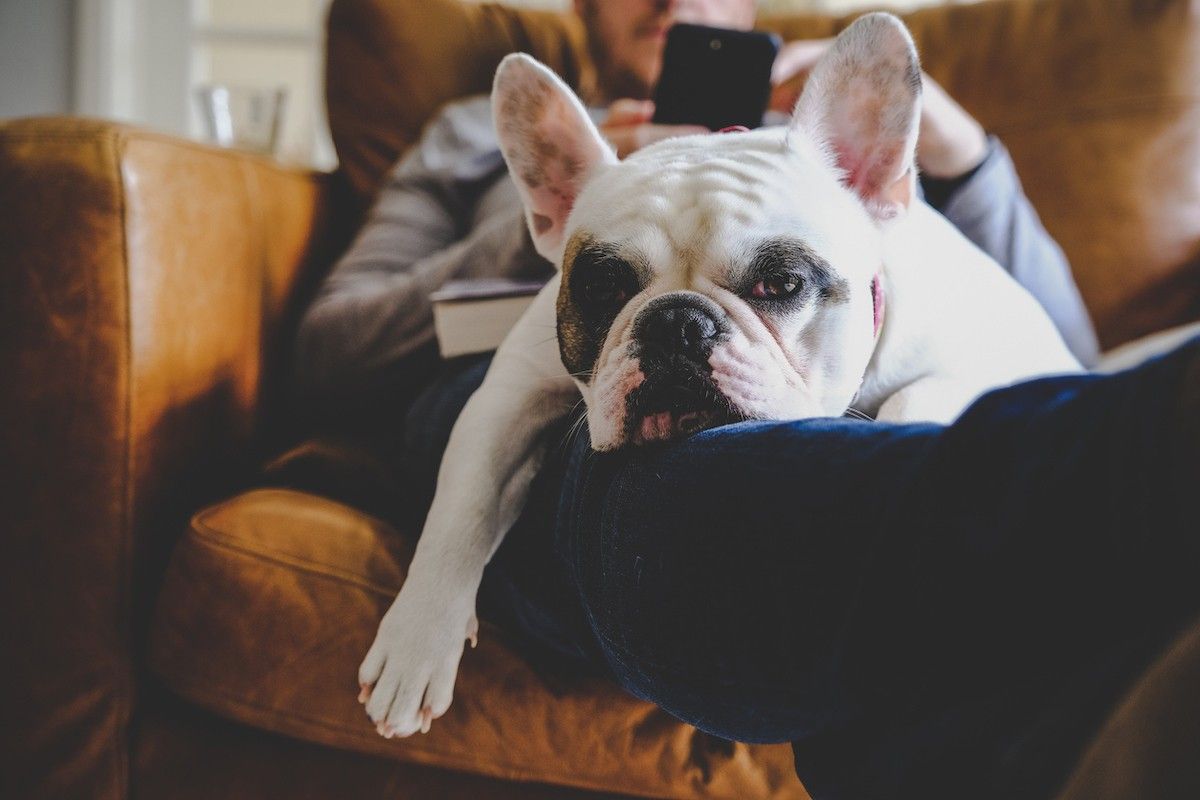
[{"x": 715, "y": 77}]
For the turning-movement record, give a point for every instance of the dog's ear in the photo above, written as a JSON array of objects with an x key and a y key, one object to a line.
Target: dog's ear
[
  {"x": 862, "y": 105},
  {"x": 549, "y": 142}
]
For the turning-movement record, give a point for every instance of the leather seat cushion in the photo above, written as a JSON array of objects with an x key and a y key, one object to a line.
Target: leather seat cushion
[{"x": 272, "y": 598}]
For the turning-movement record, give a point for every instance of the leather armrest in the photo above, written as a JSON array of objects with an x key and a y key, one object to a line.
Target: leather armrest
[{"x": 143, "y": 283}]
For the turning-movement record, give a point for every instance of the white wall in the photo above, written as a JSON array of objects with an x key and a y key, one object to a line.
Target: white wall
[{"x": 36, "y": 46}]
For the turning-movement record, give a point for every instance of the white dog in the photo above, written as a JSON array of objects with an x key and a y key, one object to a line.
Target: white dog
[{"x": 775, "y": 274}]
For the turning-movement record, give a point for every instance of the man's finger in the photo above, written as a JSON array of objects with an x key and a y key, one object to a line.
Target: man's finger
[
  {"x": 784, "y": 96},
  {"x": 630, "y": 112}
]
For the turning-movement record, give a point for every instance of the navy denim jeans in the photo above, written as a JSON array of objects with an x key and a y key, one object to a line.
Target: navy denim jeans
[{"x": 921, "y": 610}]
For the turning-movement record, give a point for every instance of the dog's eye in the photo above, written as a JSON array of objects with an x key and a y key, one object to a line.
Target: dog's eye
[
  {"x": 603, "y": 287},
  {"x": 604, "y": 290},
  {"x": 771, "y": 288}
]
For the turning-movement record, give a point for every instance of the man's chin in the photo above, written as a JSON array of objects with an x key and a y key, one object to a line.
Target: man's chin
[{"x": 634, "y": 80}]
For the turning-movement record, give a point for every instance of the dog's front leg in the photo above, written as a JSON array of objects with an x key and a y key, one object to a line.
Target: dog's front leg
[{"x": 494, "y": 452}]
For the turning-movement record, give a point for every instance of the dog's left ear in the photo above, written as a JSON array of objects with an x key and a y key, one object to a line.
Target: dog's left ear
[
  {"x": 549, "y": 143},
  {"x": 862, "y": 104}
]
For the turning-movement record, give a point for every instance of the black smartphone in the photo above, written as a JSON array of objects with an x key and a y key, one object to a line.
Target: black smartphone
[{"x": 715, "y": 77}]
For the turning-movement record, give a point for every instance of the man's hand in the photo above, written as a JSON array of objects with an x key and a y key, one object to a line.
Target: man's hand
[
  {"x": 628, "y": 126},
  {"x": 951, "y": 142}
]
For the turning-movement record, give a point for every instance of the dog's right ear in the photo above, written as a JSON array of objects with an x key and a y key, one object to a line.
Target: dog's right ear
[
  {"x": 862, "y": 105},
  {"x": 550, "y": 144}
]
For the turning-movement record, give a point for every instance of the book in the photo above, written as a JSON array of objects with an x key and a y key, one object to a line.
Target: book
[{"x": 474, "y": 316}]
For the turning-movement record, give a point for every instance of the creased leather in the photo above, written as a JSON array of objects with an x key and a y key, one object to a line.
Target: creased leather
[
  {"x": 272, "y": 598},
  {"x": 184, "y": 753},
  {"x": 64, "y": 596}
]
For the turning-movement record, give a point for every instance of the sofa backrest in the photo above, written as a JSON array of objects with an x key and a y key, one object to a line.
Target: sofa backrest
[
  {"x": 1098, "y": 101},
  {"x": 391, "y": 64}
]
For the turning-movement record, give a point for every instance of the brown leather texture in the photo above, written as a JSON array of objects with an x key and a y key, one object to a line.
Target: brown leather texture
[
  {"x": 1147, "y": 748},
  {"x": 272, "y": 598},
  {"x": 391, "y": 65},
  {"x": 142, "y": 280},
  {"x": 1097, "y": 100},
  {"x": 184, "y": 753}
]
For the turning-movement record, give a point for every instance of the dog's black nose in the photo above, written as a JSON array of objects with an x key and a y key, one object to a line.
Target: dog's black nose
[{"x": 686, "y": 324}]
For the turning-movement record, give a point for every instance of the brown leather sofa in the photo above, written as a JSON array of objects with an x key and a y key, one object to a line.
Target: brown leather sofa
[{"x": 148, "y": 287}]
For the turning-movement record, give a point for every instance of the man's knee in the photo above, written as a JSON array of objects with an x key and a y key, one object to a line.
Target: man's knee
[
  {"x": 631, "y": 568},
  {"x": 686, "y": 584}
]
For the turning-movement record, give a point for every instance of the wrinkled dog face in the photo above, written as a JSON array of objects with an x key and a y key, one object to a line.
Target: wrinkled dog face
[
  {"x": 729, "y": 276},
  {"x": 699, "y": 287}
]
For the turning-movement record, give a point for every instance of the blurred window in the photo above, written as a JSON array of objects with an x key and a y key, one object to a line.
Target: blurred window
[{"x": 266, "y": 44}]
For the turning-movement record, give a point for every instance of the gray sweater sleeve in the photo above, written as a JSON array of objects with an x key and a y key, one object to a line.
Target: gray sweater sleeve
[
  {"x": 990, "y": 208},
  {"x": 373, "y": 309}
]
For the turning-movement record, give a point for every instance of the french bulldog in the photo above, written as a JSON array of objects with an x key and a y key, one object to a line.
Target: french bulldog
[{"x": 782, "y": 273}]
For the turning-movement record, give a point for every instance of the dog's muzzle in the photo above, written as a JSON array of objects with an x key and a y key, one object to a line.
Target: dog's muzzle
[{"x": 675, "y": 335}]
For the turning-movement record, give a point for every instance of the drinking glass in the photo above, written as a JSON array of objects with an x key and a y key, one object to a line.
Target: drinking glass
[{"x": 244, "y": 117}]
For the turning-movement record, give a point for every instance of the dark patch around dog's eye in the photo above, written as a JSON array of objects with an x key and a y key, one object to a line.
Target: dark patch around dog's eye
[
  {"x": 601, "y": 283},
  {"x": 597, "y": 283},
  {"x": 791, "y": 263}
]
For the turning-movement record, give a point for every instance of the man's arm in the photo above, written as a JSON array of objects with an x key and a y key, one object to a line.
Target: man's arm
[{"x": 373, "y": 311}]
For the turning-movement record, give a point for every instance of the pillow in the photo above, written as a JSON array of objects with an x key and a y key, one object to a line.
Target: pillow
[{"x": 1097, "y": 100}]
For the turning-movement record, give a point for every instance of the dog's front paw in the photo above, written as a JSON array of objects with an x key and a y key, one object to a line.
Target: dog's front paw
[{"x": 407, "y": 677}]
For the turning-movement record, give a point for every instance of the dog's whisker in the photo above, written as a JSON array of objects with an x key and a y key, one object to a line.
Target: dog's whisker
[{"x": 575, "y": 427}]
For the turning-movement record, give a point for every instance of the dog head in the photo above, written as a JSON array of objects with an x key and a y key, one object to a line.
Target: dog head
[{"x": 719, "y": 277}]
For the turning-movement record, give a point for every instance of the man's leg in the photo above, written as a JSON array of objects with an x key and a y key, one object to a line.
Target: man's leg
[{"x": 922, "y": 611}]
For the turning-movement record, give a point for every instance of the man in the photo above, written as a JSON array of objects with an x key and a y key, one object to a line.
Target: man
[{"x": 931, "y": 611}]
